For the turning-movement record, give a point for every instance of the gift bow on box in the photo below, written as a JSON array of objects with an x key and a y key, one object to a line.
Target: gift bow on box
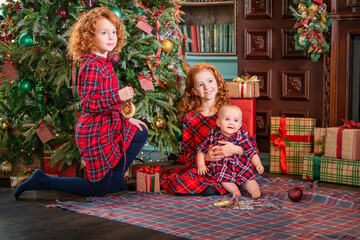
[
  {"x": 152, "y": 171},
  {"x": 148, "y": 170},
  {"x": 248, "y": 86},
  {"x": 282, "y": 140},
  {"x": 350, "y": 124},
  {"x": 246, "y": 79}
]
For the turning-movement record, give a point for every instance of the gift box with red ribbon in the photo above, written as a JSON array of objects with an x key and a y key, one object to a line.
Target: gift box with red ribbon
[
  {"x": 244, "y": 87},
  {"x": 334, "y": 170},
  {"x": 44, "y": 132},
  {"x": 290, "y": 139},
  {"x": 16, "y": 180},
  {"x": 21, "y": 177},
  {"x": 148, "y": 179},
  {"x": 344, "y": 141}
]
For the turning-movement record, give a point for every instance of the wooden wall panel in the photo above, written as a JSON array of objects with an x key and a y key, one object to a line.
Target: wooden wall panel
[
  {"x": 258, "y": 9},
  {"x": 288, "y": 46},
  {"x": 295, "y": 84},
  {"x": 258, "y": 43},
  {"x": 290, "y": 81},
  {"x": 265, "y": 77}
]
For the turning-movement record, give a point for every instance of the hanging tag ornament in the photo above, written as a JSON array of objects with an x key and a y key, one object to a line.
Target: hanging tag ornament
[
  {"x": 10, "y": 72},
  {"x": 128, "y": 109}
]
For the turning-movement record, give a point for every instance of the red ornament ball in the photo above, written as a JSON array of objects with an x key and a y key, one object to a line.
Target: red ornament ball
[
  {"x": 115, "y": 59},
  {"x": 62, "y": 12},
  {"x": 295, "y": 194}
]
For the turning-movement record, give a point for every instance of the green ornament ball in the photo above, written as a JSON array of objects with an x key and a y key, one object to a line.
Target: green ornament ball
[
  {"x": 117, "y": 11},
  {"x": 25, "y": 85},
  {"x": 26, "y": 39}
]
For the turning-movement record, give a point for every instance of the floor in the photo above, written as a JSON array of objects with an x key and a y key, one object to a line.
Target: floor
[{"x": 28, "y": 218}]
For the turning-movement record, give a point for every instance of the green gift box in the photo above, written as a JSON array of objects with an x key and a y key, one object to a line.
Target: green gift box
[
  {"x": 332, "y": 170},
  {"x": 290, "y": 139}
]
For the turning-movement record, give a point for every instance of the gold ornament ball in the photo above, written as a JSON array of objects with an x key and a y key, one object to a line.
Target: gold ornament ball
[
  {"x": 160, "y": 122},
  {"x": 300, "y": 30},
  {"x": 167, "y": 45},
  {"x": 301, "y": 7},
  {"x": 313, "y": 8},
  {"x": 6, "y": 167}
]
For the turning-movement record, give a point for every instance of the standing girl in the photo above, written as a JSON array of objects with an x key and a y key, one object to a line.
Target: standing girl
[
  {"x": 205, "y": 92},
  {"x": 107, "y": 141}
]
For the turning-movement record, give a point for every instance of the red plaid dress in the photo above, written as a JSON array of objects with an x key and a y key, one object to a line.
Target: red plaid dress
[
  {"x": 235, "y": 168},
  {"x": 100, "y": 134},
  {"x": 196, "y": 128}
]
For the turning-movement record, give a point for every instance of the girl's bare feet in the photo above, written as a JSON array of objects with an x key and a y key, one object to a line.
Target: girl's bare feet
[{"x": 236, "y": 194}]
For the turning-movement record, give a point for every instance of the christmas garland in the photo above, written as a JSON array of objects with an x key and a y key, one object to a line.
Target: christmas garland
[{"x": 312, "y": 21}]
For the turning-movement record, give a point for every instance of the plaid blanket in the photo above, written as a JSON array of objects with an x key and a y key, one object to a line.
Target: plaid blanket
[{"x": 322, "y": 213}]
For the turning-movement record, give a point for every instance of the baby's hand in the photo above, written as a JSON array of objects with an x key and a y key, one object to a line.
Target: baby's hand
[
  {"x": 260, "y": 168},
  {"x": 202, "y": 170},
  {"x": 126, "y": 93}
]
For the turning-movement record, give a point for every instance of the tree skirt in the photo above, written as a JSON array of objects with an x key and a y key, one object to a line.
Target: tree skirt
[{"x": 322, "y": 213}]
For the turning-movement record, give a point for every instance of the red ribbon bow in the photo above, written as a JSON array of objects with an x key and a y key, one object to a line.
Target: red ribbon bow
[
  {"x": 150, "y": 170},
  {"x": 280, "y": 142},
  {"x": 350, "y": 124}
]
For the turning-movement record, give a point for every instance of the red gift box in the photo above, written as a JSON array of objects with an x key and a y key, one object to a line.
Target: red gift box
[
  {"x": 248, "y": 108},
  {"x": 148, "y": 179},
  {"x": 146, "y": 182},
  {"x": 72, "y": 171}
]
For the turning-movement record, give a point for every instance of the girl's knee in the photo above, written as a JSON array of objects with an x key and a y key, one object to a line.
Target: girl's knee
[{"x": 141, "y": 135}]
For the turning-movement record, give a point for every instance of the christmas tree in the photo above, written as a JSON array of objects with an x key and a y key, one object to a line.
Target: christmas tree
[{"x": 38, "y": 96}]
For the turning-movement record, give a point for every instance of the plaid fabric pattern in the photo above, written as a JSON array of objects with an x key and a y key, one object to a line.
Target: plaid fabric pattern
[
  {"x": 321, "y": 214},
  {"x": 342, "y": 143},
  {"x": 100, "y": 134},
  {"x": 235, "y": 168},
  {"x": 319, "y": 140},
  {"x": 333, "y": 170},
  {"x": 196, "y": 128},
  {"x": 295, "y": 152}
]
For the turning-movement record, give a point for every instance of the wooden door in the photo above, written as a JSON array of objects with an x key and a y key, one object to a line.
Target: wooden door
[
  {"x": 290, "y": 83},
  {"x": 346, "y": 25}
]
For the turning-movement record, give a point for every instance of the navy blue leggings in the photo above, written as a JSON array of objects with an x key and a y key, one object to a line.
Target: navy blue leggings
[{"x": 112, "y": 182}]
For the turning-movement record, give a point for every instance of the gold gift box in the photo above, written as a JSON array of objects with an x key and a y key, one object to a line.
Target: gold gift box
[{"x": 244, "y": 87}]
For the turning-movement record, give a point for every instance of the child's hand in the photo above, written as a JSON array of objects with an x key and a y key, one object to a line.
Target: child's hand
[
  {"x": 214, "y": 154},
  {"x": 202, "y": 169},
  {"x": 260, "y": 168},
  {"x": 229, "y": 149},
  {"x": 126, "y": 93}
]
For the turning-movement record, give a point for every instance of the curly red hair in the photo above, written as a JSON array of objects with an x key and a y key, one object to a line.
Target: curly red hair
[
  {"x": 82, "y": 36},
  {"x": 191, "y": 102}
]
